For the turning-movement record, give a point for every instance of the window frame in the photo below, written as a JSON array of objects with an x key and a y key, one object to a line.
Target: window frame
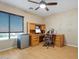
[{"x": 9, "y": 23}]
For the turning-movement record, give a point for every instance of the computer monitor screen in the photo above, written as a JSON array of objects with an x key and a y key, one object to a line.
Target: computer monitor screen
[{"x": 37, "y": 30}]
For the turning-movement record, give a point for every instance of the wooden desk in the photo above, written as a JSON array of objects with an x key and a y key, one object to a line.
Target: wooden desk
[
  {"x": 35, "y": 39},
  {"x": 59, "y": 40}
]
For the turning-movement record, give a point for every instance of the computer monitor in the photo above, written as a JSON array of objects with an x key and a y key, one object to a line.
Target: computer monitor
[{"x": 37, "y": 29}]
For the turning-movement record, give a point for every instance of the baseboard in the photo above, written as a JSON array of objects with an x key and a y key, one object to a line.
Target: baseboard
[
  {"x": 71, "y": 45},
  {"x": 6, "y": 49}
]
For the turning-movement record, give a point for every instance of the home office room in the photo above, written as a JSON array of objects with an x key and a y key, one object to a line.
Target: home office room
[{"x": 39, "y": 29}]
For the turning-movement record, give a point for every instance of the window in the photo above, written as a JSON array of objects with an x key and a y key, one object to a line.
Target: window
[
  {"x": 14, "y": 35},
  {"x": 4, "y": 20},
  {"x": 11, "y": 25},
  {"x": 15, "y": 24},
  {"x": 4, "y": 36}
]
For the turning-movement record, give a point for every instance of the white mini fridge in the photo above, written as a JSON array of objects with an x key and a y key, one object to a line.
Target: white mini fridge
[{"x": 23, "y": 41}]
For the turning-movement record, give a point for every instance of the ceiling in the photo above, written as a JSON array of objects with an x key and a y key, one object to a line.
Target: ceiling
[{"x": 63, "y": 5}]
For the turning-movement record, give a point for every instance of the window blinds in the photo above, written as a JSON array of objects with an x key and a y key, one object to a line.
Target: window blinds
[{"x": 11, "y": 23}]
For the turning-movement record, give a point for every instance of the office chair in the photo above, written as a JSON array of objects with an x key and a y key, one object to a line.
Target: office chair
[{"x": 48, "y": 40}]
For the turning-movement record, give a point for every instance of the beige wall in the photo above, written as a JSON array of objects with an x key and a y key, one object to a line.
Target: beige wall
[
  {"x": 65, "y": 23},
  {"x": 28, "y": 17}
]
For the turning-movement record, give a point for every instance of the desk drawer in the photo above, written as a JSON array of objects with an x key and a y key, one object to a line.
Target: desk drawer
[
  {"x": 34, "y": 42},
  {"x": 58, "y": 37},
  {"x": 58, "y": 44},
  {"x": 59, "y": 40},
  {"x": 34, "y": 37}
]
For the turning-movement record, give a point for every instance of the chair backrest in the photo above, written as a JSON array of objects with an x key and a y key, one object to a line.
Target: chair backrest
[
  {"x": 51, "y": 32},
  {"x": 48, "y": 37}
]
